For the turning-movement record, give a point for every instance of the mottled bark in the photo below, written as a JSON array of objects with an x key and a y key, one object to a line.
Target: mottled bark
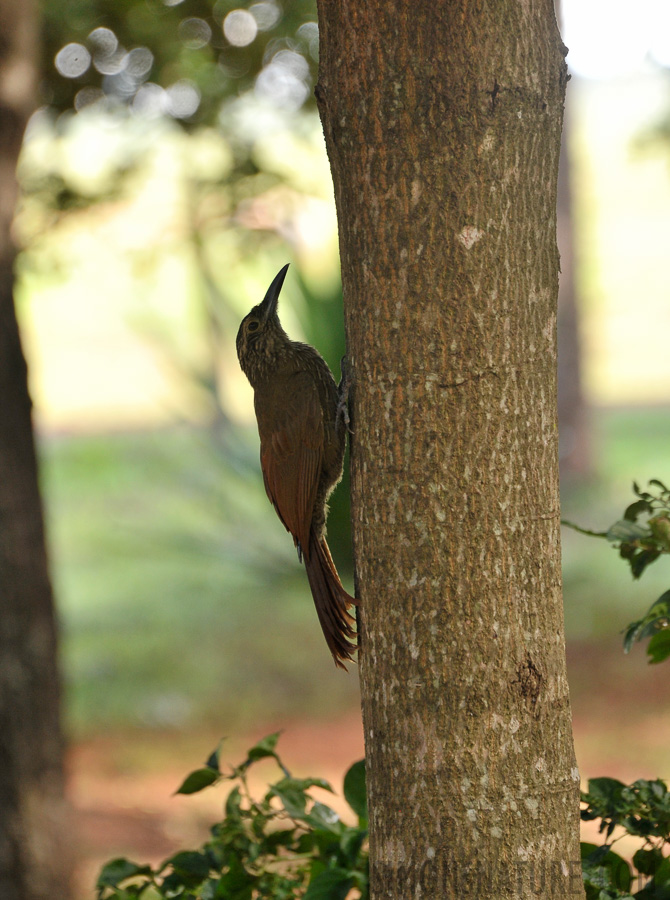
[
  {"x": 442, "y": 123},
  {"x": 32, "y": 863}
]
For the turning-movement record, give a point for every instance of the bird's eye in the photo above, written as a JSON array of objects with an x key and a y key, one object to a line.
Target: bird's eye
[{"x": 253, "y": 325}]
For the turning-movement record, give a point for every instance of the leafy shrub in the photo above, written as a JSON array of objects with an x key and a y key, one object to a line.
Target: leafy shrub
[
  {"x": 282, "y": 846},
  {"x": 641, "y": 537},
  {"x": 641, "y": 809}
]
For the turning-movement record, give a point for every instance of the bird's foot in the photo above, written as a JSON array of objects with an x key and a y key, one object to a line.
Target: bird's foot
[{"x": 342, "y": 414}]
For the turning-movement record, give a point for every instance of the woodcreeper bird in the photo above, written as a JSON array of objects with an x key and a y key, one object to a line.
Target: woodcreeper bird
[{"x": 302, "y": 423}]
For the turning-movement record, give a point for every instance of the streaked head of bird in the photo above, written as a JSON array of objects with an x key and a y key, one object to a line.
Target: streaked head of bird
[{"x": 261, "y": 338}]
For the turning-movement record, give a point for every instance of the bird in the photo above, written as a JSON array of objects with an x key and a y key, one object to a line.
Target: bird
[{"x": 302, "y": 423}]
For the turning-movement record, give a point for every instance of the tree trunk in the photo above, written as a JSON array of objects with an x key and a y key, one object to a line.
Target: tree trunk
[
  {"x": 442, "y": 123},
  {"x": 32, "y": 862}
]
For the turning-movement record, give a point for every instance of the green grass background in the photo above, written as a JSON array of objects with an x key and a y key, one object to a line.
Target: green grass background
[
  {"x": 180, "y": 596},
  {"x": 182, "y": 602}
]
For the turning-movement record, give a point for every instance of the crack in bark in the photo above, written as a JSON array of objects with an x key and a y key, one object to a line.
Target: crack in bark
[
  {"x": 528, "y": 682},
  {"x": 494, "y": 95},
  {"x": 320, "y": 94}
]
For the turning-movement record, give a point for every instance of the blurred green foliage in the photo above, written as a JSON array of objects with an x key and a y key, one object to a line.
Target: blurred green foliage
[
  {"x": 626, "y": 440},
  {"x": 123, "y": 59},
  {"x": 191, "y": 43},
  {"x": 181, "y": 597},
  {"x": 182, "y": 600},
  {"x": 642, "y": 536},
  {"x": 126, "y": 65}
]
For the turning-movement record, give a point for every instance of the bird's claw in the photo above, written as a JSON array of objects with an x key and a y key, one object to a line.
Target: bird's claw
[{"x": 342, "y": 414}]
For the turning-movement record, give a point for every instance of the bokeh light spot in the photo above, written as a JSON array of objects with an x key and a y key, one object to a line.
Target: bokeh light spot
[
  {"x": 293, "y": 62},
  {"x": 240, "y": 27},
  {"x": 139, "y": 62},
  {"x": 103, "y": 41},
  {"x": 265, "y": 14},
  {"x": 309, "y": 32},
  {"x": 110, "y": 62},
  {"x": 281, "y": 82},
  {"x": 73, "y": 60},
  {"x": 88, "y": 96},
  {"x": 183, "y": 99},
  {"x": 195, "y": 33},
  {"x": 151, "y": 100}
]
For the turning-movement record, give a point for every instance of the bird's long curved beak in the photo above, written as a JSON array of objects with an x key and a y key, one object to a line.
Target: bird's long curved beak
[{"x": 268, "y": 307}]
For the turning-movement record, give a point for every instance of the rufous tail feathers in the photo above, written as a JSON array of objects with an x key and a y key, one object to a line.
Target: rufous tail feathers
[{"x": 331, "y": 601}]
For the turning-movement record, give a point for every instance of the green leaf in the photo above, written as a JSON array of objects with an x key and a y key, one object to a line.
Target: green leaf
[
  {"x": 656, "y": 619},
  {"x": 631, "y": 635},
  {"x": 636, "y": 509},
  {"x": 294, "y": 800},
  {"x": 277, "y": 839},
  {"x": 640, "y": 560},
  {"x": 237, "y": 883},
  {"x": 660, "y": 528},
  {"x": 660, "y": 607},
  {"x": 658, "y": 648},
  {"x": 210, "y": 891},
  {"x": 213, "y": 759},
  {"x": 657, "y": 626},
  {"x": 332, "y": 884},
  {"x": 351, "y": 843},
  {"x": 604, "y": 869},
  {"x": 662, "y": 876},
  {"x": 605, "y": 790},
  {"x": 322, "y": 816},
  {"x": 173, "y": 885},
  {"x": 355, "y": 792},
  {"x": 293, "y": 793},
  {"x": 648, "y": 861},
  {"x": 592, "y": 853},
  {"x": 262, "y": 750},
  {"x": 233, "y": 803},
  {"x": 118, "y": 870},
  {"x": 197, "y": 781},
  {"x": 189, "y": 862},
  {"x": 307, "y": 842},
  {"x": 627, "y": 532},
  {"x": 303, "y": 784},
  {"x": 266, "y": 747}
]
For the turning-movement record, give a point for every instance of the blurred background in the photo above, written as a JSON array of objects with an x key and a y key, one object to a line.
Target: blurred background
[{"x": 175, "y": 164}]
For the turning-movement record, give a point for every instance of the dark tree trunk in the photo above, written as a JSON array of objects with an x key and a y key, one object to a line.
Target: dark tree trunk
[
  {"x": 32, "y": 863},
  {"x": 443, "y": 123},
  {"x": 573, "y": 412}
]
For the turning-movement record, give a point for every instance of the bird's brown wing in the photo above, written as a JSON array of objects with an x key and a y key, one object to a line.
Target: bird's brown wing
[{"x": 291, "y": 432}]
